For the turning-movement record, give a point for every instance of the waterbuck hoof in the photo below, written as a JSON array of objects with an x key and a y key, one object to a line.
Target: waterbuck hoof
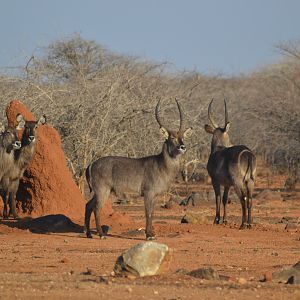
[
  {"x": 216, "y": 221},
  {"x": 243, "y": 226},
  {"x": 249, "y": 226},
  {"x": 151, "y": 238},
  {"x": 89, "y": 235}
]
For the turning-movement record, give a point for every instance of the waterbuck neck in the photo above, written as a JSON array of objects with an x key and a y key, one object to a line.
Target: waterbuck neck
[
  {"x": 220, "y": 141},
  {"x": 25, "y": 155},
  {"x": 169, "y": 162}
]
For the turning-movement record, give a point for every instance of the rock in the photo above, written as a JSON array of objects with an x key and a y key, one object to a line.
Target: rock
[
  {"x": 47, "y": 186},
  {"x": 205, "y": 273},
  {"x": 268, "y": 276},
  {"x": 292, "y": 227},
  {"x": 144, "y": 259},
  {"x": 242, "y": 280},
  {"x": 194, "y": 198},
  {"x": 168, "y": 205},
  {"x": 288, "y": 275},
  {"x": 195, "y": 218}
]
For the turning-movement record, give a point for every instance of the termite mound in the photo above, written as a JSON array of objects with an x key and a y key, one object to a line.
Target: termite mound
[{"x": 48, "y": 186}]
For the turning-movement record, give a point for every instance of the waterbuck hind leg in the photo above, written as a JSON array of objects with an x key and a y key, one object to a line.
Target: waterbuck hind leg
[
  {"x": 88, "y": 211},
  {"x": 217, "y": 190},
  {"x": 250, "y": 187},
  {"x": 225, "y": 199},
  {"x": 149, "y": 208}
]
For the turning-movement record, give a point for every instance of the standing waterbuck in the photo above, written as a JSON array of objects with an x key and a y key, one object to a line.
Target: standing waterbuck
[
  {"x": 9, "y": 183},
  {"x": 9, "y": 143},
  {"x": 228, "y": 166},
  {"x": 147, "y": 176}
]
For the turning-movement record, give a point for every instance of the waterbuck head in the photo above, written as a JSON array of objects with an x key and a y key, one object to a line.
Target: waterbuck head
[
  {"x": 220, "y": 134},
  {"x": 174, "y": 139},
  {"x": 9, "y": 139},
  {"x": 30, "y": 127}
]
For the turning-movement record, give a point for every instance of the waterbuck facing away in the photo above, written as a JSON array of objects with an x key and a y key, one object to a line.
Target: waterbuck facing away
[
  {"x": 228, "y": 166},
  {"x": 147, "y": 176}
]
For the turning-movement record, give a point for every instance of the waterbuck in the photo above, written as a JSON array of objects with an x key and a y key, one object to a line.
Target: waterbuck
[
  {"x": 9, "y": 183},
  {"x": 228, "y": 166},
  {"x": 147, "y": 176},
  {"x": 9, "y": 143}
]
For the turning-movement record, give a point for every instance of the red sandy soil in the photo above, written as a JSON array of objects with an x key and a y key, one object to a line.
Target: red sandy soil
[{"x": 54, "y": 266}]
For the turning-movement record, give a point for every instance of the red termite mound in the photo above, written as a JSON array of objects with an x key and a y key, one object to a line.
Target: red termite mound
[{"x": 47, "y": 186}]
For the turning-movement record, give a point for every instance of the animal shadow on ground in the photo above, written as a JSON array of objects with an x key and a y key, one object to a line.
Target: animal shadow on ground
[{"x": 58, "y": 223}]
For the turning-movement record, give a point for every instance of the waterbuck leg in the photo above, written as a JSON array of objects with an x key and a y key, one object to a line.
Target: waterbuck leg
[
  {"x": 88, "y": 211},
  {"x": 149, "y": 207},
  {"x": 250, "y": 187},
  {"x": 249, "y": 206},
  {"x": 244, "y": 213},
  {"x": 4, "y": 196},
  {"x": 97, "y": 211},
  {"x": 12, "y": 205},
  {"x": 217, "y": 190},
  {"x": 225, "y": 198}
]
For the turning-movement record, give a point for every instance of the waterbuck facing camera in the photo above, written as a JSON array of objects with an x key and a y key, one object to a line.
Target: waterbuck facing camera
[
  {"x": 228, "y": 166},
  {"x": 147, "y": 176}
]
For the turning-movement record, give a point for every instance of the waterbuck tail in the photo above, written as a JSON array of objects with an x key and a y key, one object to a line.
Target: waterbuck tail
[{"x": 88, "y": 176}]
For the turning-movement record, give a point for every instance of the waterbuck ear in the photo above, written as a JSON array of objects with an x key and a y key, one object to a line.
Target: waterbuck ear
[
  {"x": 164, "y": 132},
  {"x": 209, "y": 129},
  {"x": 2, "y": 128},
  {"x": 187, "y": 133},
  {"x": 227, "y": 126},
  {"x": 21, "y": 122},
  {"x": 42, "y": 120}
]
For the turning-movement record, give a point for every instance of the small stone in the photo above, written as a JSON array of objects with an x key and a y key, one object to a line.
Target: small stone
[
  {"x": 242, "y": 280},
  {"x": 205, "y": 273},
  {"x": 64, "y": 260},
  {"x": 291, "y": 227},
  {"x": 195, "y": 218}
]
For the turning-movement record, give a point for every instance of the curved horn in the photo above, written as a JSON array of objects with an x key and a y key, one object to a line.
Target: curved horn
[
  {"x": 226, "y": 113},
  {"x": 157, "y": 110},
  {"x": 180, "y": 115},
  {"x": 214, "y": 124}
]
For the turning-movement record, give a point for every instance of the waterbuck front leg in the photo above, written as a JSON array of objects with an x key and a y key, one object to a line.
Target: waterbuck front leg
[
  {"x": 149, "y": 201},
  {"x": 4, "y": 196},
  {"x": 217, "y": 190},
  {"x": 224, "y": 199},
  {"x": 12, "y": 205},
  {"x": 14, "y": 185}
]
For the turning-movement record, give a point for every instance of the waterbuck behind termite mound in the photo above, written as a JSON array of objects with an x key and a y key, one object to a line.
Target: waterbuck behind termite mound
[
  {"x": 10, "y": 181},
  {"x": 228, "y": 166},
  {"x": 148, "y": 176},
  {"x": 9, "y": 143}
]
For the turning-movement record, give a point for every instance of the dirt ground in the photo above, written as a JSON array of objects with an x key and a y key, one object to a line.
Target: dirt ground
[{"x": 67, "y": 265}]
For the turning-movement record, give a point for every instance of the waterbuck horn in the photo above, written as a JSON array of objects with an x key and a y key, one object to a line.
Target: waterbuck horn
[
  {"x": 157, "y": 111},
  {"x": 226, "y": 114},
  {"x": 180, "y": 115},
  {"x": 214, "y": 124}
]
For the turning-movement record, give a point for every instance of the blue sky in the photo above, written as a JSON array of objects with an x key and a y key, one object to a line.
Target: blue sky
[{"x": 212, "y": 36}]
